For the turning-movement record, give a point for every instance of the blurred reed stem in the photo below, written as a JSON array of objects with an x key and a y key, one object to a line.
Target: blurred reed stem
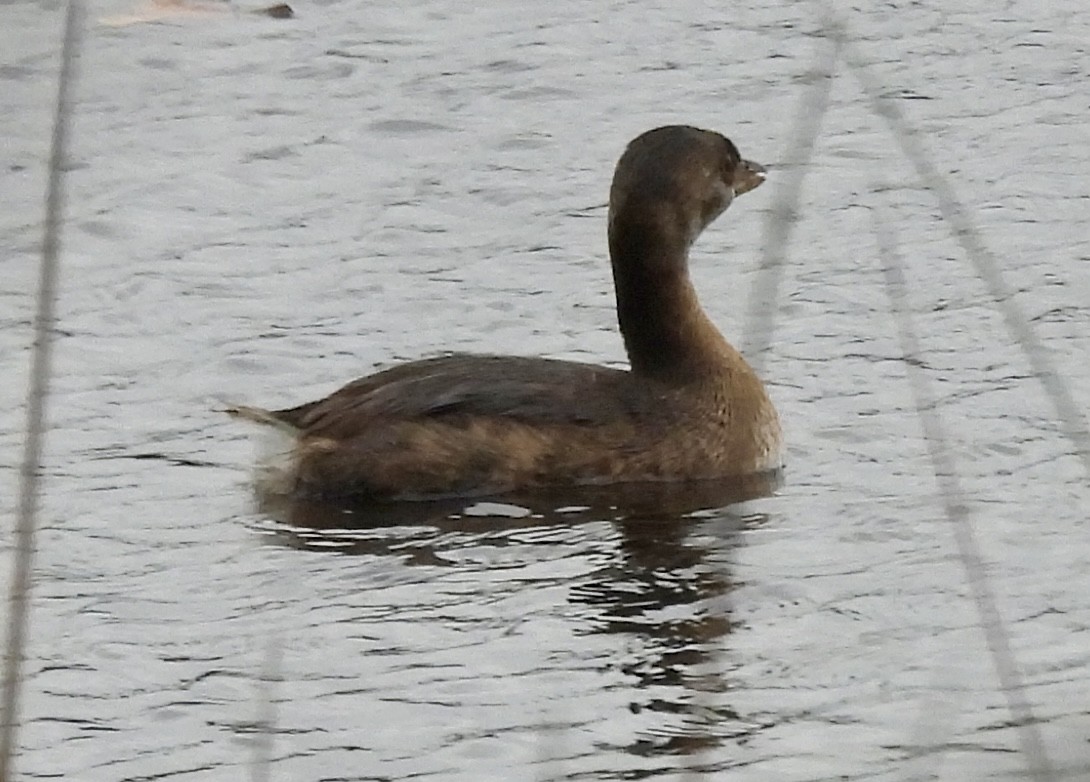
[
  {"x": 957, "y": 510},
  {"x": 37, "y": 395}
]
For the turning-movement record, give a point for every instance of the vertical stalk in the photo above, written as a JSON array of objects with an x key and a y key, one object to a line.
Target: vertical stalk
[{"x": 37, "y": 394}]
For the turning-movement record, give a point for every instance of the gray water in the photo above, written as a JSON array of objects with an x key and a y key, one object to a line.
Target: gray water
[{"x": 260, "y": 210}]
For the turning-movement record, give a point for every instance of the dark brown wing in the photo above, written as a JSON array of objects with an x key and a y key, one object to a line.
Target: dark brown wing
[{"x": 531, "y": 390}]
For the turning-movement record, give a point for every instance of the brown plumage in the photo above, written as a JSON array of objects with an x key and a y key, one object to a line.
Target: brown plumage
[{"x": 690, "y": 407}]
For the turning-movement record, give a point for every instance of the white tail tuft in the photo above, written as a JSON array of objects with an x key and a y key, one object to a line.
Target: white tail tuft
[
  {"x": 277, "y": 457},
  {"x": 276, "y": 466}
]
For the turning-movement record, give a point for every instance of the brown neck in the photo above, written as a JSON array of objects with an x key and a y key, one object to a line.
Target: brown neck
[{"x": 666, "y": 333}]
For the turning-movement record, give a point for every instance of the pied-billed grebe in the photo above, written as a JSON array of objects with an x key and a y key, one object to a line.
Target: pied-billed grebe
[{"x": 689, "y": 408}]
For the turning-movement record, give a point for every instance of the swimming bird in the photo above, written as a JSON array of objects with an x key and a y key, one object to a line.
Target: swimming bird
[{"x": 688, "y": 408}]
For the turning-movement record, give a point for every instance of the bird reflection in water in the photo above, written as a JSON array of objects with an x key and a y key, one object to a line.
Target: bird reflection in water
[
  {"x": 663, "y": 593},
  {"x": 667, "y": 590}
]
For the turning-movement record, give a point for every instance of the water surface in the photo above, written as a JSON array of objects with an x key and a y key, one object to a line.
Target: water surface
[{"x": 260, "y": 210}]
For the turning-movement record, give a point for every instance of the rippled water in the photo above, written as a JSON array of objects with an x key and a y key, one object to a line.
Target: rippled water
[{"x": 260, "y": 210}]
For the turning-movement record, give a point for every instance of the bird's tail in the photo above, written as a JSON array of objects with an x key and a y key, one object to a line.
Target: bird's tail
[
  {"x": 277, "y": 468},
  {"x": 261, "y": 416}
]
